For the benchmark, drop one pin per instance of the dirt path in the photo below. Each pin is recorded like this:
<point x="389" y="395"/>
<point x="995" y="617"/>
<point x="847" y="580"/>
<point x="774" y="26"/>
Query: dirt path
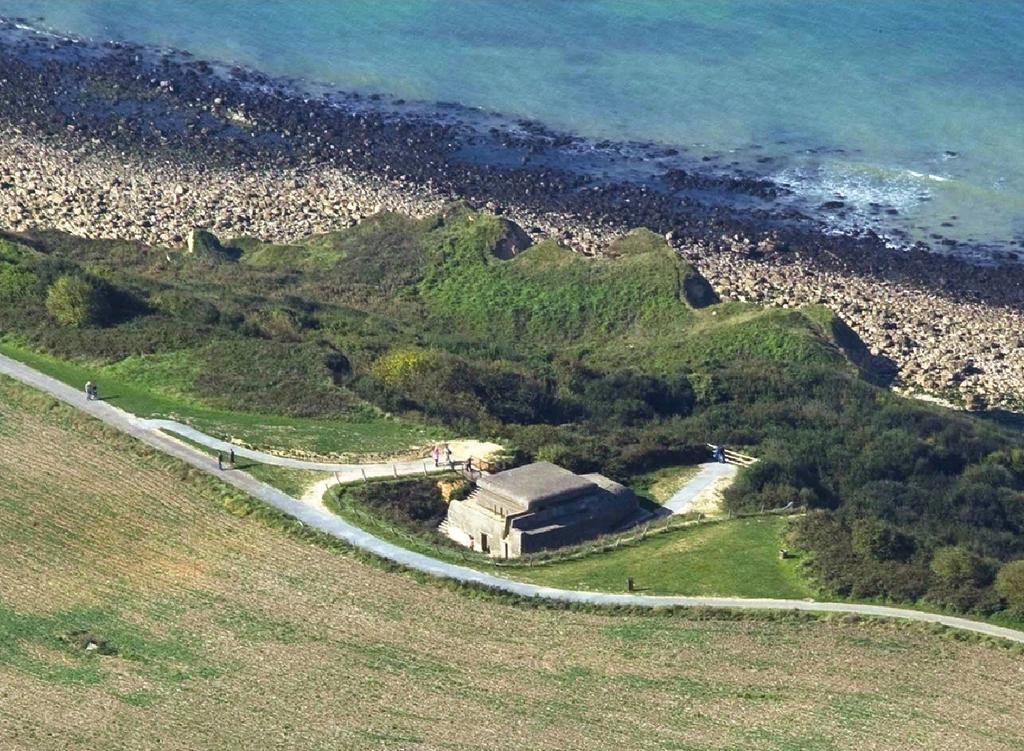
<point x="318" y="517"/>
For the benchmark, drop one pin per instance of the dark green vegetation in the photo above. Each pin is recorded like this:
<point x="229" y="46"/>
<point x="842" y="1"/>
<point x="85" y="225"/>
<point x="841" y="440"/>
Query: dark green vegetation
<point x="415" y="503"/>
<point x="623" y="365"/>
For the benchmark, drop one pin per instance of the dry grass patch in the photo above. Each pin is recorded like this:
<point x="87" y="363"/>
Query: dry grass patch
<point x="221" y="632"/>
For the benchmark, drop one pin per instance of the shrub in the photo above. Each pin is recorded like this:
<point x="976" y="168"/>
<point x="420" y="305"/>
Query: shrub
<point x="1010" y="584"/>
<point x="626" y="397"/>
<point x="283" y="324"/>
<point x="403" y="367"/>
<point x="415" y="503"/>
<point x="957" y="566"/>
<point x="560" y="454"/>
<point x="874" y="538"/>
<point x="186" y="307"/>
<point x="16" y="284"/>
<point x="77" y="301"/>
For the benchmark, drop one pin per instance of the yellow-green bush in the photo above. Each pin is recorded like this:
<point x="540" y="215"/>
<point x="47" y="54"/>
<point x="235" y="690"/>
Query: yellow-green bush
<point x="76" y="301"/>
<point x="401" y="367"/>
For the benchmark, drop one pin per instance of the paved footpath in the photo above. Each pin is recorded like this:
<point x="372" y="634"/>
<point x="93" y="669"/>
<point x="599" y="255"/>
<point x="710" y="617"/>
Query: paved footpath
<point x="333" y="525"/>
<point x="709" y="474"/>
<point x="345" y="472"/>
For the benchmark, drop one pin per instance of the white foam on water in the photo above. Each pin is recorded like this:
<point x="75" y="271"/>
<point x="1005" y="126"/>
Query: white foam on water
<point x="923" y="176"/>
<point x="858" y="186"/>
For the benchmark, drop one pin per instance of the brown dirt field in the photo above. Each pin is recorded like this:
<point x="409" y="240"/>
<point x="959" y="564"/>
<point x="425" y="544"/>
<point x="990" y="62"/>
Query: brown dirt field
<point x="221" y="632"/>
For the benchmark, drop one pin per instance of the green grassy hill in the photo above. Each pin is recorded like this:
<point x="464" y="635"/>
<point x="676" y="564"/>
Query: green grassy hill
<point x="389" y="335"/>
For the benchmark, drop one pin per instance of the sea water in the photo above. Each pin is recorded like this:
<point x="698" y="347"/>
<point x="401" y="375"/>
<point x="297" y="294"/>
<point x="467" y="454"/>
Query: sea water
<point x="915" y="106"/>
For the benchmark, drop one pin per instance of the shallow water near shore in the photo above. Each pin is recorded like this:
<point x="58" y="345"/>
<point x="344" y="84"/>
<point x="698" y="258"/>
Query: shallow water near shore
<point x="906" y="117"/>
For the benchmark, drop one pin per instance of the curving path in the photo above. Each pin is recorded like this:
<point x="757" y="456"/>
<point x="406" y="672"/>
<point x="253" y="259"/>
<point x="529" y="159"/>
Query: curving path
<point x="345" y="472"/>
<point x="333" y="525"/>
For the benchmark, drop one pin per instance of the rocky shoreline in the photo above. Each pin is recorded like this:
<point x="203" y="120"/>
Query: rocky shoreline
<point x="112" y="141"/>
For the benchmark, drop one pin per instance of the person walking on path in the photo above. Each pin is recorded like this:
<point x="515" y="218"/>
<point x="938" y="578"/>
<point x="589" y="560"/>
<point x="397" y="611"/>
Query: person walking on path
<point x="90" y="390"/>
<point x="231" y="458"/>
<point x="220" y="460"/>
<point x="436" y="454"/>
<point x="448" y="456"/>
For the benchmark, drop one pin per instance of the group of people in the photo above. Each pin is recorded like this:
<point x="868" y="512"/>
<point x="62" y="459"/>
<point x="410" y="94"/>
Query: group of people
<point x="231" y="459"/>
<point x="91" y="393"/>
<point x="439" y="452"/>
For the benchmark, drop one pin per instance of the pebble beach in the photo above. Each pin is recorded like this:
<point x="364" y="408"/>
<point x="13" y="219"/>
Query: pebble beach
<point x="157" y="145"/>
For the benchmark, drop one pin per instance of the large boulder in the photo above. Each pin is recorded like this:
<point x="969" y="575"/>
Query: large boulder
<point x="697" y="291"/>
<point x="512" y="242"/>
<point x="203" y="245"/>
<point x="202" y="242"/>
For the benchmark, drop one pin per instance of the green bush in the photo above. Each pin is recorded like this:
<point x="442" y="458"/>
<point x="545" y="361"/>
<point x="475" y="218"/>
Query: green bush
<point x="1010" y="584"/>
<point x="186" y="307"/>
<point x="873" y="538"/>
<point x="415" y="503"/>
<point x="957" y="566"/>
<point x="17" y="284"/>
<point x="77" y="301"/>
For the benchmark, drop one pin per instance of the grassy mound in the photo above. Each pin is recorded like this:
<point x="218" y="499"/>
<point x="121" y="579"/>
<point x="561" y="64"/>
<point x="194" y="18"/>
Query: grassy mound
<point x="393" y="333"/>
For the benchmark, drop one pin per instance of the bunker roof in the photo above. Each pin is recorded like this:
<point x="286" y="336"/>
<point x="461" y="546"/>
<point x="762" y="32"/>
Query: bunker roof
<point x="535" y="483"/>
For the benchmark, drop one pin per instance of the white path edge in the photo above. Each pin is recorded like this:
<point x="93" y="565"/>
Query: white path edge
<point x="337" y="527"/>
<point x="709" y="474"/>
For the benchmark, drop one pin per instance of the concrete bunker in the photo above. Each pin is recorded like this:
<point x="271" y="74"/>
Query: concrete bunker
<point x="537" y="507"/>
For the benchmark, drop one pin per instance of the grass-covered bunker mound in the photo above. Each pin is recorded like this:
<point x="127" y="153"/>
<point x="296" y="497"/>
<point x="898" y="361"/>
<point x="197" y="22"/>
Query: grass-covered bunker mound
<point x="398" y="331"/>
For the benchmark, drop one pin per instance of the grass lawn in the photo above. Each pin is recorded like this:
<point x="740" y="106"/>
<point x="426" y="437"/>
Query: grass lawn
<point x="275" y="433"/>
<point x="734" y="557"/>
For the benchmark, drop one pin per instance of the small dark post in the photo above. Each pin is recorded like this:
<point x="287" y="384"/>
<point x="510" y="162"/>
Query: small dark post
<point x="629" y="584"/>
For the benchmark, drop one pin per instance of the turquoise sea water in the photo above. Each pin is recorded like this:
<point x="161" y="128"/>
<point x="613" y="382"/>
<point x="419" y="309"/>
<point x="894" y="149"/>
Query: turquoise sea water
<point x="915" y="104"/>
